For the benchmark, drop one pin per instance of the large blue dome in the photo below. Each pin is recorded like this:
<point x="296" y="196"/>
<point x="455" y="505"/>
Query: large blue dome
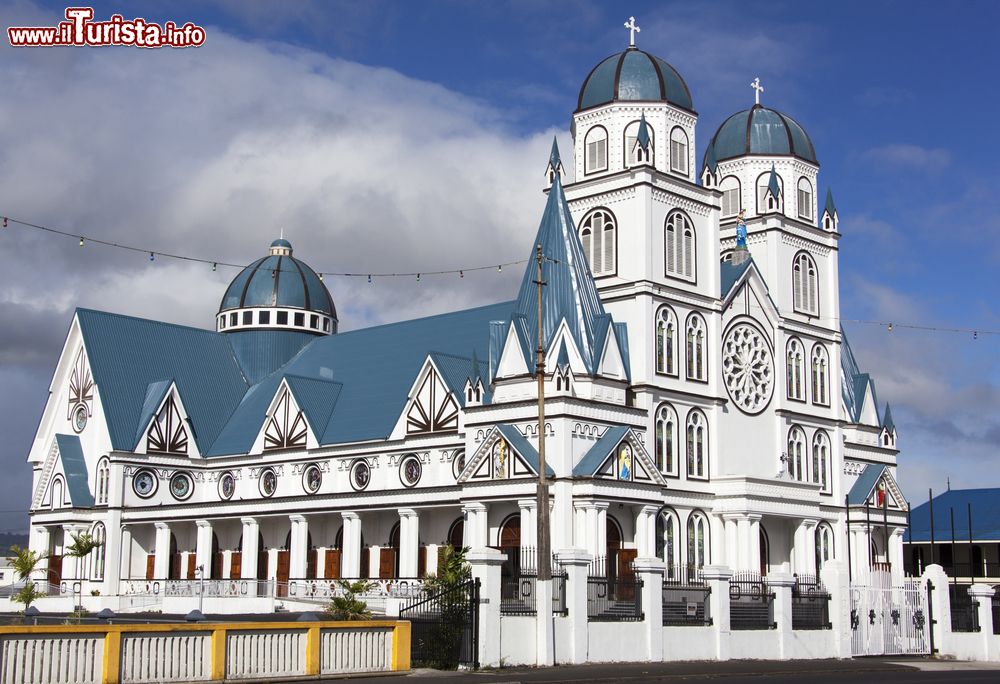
<point x="634" y="76"/>
<point x="760" y="131"/>
<point x="279" y="280"/>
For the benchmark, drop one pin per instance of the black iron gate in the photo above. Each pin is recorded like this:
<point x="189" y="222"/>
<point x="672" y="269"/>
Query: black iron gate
<point x="444" y="631"/>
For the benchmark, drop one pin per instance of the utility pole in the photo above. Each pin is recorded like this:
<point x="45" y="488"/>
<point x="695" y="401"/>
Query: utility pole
<point x="544" y="627"/>
<point x="544" y="552"/>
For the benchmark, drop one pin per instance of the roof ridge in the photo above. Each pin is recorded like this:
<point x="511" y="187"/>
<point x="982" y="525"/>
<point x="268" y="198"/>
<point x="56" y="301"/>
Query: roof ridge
<point x="142" y="319"/>
<point x="424" y="318"/>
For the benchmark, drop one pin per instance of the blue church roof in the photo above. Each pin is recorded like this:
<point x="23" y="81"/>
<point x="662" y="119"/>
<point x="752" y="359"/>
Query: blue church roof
<point x="760" y="131"/>
<point x="854" y="382"/>
<point x="865" y="484"/>
<point x="278" y="280"/>
<point x="633" y="76"/>
<point x="985" y="505"/>
<point x="75" y="468"/>
<point x="600" y="451"/>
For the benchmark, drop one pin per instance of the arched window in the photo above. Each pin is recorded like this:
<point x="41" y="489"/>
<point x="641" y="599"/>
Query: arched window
<point x="797" y="454"/>
<point x="679" y="245"/>
<point x="57" y="493"/>
<point x="596" y="147"/>
<point x="666" y="542"/>
<point x="633" y="154"/>
<point x="666" y="341"/>
<point x="731" y="200"/>
<point x="765" y="201"/>
<point x="805" y="199"/>
<point x="103" y="477"/>
<point x="666" y="439"/>
<point x="820" y="375"/>
<point x="597" y="233"/>
<point x="794" y="370"/>
<point x="697" y="444"/>
<point x="678" y="150"/>
<point x="697" y="538"/>
<point x="821" y="460"/>
<point x="824" y="545"/>
<point x="695" y="348"/>
<point x="97" y="555"/>
<point x="805" y="284"/>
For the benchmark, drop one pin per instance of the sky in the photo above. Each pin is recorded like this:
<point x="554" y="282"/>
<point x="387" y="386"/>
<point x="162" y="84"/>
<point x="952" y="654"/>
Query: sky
<point x="412" y="136"/>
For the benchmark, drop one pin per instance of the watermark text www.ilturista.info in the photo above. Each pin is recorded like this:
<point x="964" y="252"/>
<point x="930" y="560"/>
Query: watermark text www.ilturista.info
<point x="80" y="29"/>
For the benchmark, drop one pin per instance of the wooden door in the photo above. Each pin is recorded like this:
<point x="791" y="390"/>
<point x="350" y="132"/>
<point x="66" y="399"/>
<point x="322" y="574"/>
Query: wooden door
<point x="175" y="566"/>
<point x="422" y="561"/>
<point x="262" y="565"/>
<point x="55" y="570"/>
<point x="626" y="573"/>
<point x="236" y="565"/>
<point x="331" y="568"/>
<point x="387" y="563"/>
<point x="217" y="565"/>
<point x="365" y="562"/>
<point x="192" y="566"/>
<point x="282" y="573"/>
<point x="150" y="566"/>
<point x="311" y="556"/>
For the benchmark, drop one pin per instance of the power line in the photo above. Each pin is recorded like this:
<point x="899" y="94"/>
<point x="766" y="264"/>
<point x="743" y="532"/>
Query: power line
<point x="216" y="263"/>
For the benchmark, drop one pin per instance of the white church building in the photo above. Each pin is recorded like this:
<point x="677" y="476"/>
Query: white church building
<point x="703" y="404"/>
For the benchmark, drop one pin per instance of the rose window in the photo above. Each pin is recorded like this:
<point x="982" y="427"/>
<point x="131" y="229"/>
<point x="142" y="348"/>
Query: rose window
<point x="747" y="368"/>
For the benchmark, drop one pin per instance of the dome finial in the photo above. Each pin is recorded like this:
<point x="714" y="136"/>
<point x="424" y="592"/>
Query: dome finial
<point x="632" y="30"/>
<point x="758" y="89"/>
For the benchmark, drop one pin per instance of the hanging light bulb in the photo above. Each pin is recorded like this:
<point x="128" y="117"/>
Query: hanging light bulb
<point x="418" y="277"/>
<point x="152" y="257"/>
<point x="4" y="221"/>
<point x="369" y="278"/>
<point x="215" y="267"/>
<point x="321" y="277"/>
<point x="499" y="268"/>
<point x="461" y="274"/>
<point x="890" y="327"/>
<point x="975" y="334"/>
<point x="81" y="241"/>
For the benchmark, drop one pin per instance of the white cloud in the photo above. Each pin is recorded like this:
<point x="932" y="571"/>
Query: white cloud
<point x="910" y="156"/>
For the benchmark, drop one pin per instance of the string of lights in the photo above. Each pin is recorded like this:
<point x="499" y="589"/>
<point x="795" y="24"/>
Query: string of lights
<point x="216" y="263"/>
<point x="890" y="326"/>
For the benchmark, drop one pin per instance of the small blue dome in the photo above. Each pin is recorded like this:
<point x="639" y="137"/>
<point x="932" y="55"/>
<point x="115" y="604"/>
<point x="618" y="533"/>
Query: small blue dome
<point x="634" y="76"/>
<point x="760" y="131"/>
<point x="279" y="280"/>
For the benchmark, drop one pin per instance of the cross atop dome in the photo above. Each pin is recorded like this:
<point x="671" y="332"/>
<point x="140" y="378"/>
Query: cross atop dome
<point x="758" y="89"/>
<point x="632" y="30"/>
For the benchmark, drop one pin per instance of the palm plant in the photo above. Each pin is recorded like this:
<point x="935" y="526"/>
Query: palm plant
<point x="347" y="606"/>
<point x="25" y="562"/>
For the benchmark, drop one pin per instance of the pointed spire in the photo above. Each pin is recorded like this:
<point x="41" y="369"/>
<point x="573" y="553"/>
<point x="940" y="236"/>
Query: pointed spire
<point x="475" y="374"/>
<point x="569" y="293"/>
<point x="562" y="361"/>
<point x="830" y="208"/>
<point x="887" y="421"/>
<point x="643" y="136"/>
<point x="555" y="167"/>
<point x="711" y="163"/>
<point x="772" y="184"/>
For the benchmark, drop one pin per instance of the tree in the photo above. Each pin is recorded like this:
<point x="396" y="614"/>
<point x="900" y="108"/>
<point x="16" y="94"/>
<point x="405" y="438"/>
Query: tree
<point x="348" y="606"/>
<point x="83" y="545"/>
<point x="24" y="562"/>
<point x="447" y="593"/>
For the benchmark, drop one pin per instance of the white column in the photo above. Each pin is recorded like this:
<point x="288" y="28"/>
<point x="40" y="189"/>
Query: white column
<point x="69" y="564"/>
<point x="593" y="544"/>
<point x="250" y="549"/>
<point x="161" y="564"/>
<point x="227" y="564"/>
<point x="753" y="562"/>
<point x="113" y="552"/>
<point x="896" y="553"/>
<point x="298" y="547"/>
<point x="602" y="527"/>
<point x="350" y="554"/>
<point x="529" y="522"/>
<point x="743" y="543"/>
<point x="409" y="542"/>
<point x="562" y="514"/>
<point x="374" y="561"/>
<point x="809" y="551"/>
<point x="476" y="532"/>
<point x="432" y="559"/>
<point x="732" y="555"/>
<point x="125" y="559"/>
<point x="579" y="525"/>
<point x="40" y="542"/>
<point x="203" y="548"/>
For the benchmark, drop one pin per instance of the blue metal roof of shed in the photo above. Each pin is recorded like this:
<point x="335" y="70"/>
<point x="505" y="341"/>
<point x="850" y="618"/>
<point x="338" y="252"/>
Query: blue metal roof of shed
<point x="985" y="505"/>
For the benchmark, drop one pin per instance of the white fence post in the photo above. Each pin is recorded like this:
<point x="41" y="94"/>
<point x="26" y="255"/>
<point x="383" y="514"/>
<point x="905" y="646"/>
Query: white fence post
<point x="940" y="605"/>
<point x="781" y="583"/>
<point x="983" y="595"/>
<point x="576" y="563"/>
<point x="717" y="577"/>
<point x="650" y="571"/>
<point x="835" y="579"/>
<point x="486" y="564"/>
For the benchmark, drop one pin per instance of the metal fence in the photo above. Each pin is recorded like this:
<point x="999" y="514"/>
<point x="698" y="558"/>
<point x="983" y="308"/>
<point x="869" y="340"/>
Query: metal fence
<point x="810" y="604"/>
<point x="751" y="602"/>
<point x="685" y="598"/>
<point x="614" y="600"/>
<point x="518" y="594"/>
<point x="964" y="610"/>
<point x="445" y="627"/>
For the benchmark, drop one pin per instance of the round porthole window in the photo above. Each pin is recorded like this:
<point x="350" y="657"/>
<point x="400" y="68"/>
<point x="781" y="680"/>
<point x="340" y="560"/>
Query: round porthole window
<point x="361" y="475"/>
<point x="181" y="486"/>
<point x="80" y="418"/>
<point x="144" y="484"/>
<point x="410" y="471"/>
<point x="227" y="486"/>
<point x="268" y="482"/>
<point x="312" y="479"/>
<point x="458" y="463"/>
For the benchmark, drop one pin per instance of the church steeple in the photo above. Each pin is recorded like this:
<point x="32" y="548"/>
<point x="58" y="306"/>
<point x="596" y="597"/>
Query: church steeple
<point x="555" y="167"/>
<point x="830" y="220"/>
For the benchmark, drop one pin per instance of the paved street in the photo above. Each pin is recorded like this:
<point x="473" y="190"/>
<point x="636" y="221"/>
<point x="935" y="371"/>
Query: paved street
<point x="862" y="671"/>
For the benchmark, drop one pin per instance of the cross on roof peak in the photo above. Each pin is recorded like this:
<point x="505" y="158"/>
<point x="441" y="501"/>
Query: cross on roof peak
<point x="632" y="30"/>
<point x="758" y="88"/>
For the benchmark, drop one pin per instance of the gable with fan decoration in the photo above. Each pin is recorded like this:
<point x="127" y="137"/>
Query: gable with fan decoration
<point x="504" y="454"/>
<point x="286" y="426"/>
<point x="164" y="427"/>
<point x="433" y="407"/>
<point x="619" y="455"/>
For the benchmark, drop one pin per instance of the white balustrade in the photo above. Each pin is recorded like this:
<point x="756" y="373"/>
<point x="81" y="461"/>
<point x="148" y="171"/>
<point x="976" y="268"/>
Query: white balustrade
<point x="166" y="657"/>
<point x="265" y="654"/>
<point x="345" y="651"/>
<point x="69" y="659"/>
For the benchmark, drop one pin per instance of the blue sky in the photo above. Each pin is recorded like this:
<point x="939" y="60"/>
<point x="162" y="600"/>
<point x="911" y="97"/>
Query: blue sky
<point x="208" y="150"/>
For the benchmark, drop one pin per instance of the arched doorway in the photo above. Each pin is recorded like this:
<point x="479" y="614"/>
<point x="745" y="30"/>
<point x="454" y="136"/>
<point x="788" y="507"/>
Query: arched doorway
<point x="509" y="541"/>
<point x="456" y="534"/>
<point x="174" y="570"/>
<point x="618" y="559"/>
<point x="765" y="553"/>
<point x="216" y="557"/>
<point x="388" y="562"/>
